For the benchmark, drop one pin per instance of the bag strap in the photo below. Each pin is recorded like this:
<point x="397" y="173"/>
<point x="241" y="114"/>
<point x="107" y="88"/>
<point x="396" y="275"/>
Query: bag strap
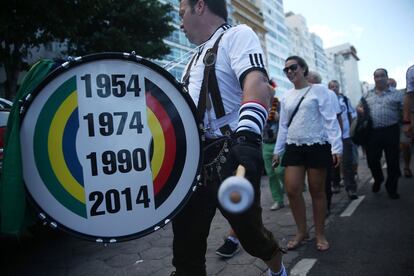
<point x="297" y="106"/>
<point x="365" y="106"/>
<point x="346" y="100"/>
<point x="186" y="78"/>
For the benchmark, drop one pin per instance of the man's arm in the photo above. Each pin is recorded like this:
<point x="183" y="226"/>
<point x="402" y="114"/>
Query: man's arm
<point x="408" y="114"/>
<point x="256" y="88"/>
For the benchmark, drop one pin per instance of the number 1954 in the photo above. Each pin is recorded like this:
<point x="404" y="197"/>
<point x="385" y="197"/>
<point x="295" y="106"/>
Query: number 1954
<point x="114" y="84"/>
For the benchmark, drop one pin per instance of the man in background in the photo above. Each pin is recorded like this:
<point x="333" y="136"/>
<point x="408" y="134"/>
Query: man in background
<point x="408" y="116"/>
<point x="385" y="104"/>
<point x="348" y="113"/>
<point x="405" y="141"/>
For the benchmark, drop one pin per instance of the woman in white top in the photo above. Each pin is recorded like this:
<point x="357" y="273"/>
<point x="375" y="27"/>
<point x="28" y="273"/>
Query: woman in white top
<point x="311" y="140"/>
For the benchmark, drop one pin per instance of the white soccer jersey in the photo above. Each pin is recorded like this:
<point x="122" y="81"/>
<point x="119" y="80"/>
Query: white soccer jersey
<point x="238" y="53"/>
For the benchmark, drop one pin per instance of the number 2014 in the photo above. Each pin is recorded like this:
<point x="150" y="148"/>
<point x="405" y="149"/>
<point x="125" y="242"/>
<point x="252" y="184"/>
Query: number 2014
<point x="113" y="198"/>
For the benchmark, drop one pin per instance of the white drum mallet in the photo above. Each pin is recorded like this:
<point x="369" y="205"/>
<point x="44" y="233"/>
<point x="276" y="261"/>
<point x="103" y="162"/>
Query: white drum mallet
<point x="236" y="193"/>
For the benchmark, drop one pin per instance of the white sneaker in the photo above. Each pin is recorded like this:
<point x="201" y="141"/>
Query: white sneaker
<point x="277" y="206"/>
<point x="282" y="272"/>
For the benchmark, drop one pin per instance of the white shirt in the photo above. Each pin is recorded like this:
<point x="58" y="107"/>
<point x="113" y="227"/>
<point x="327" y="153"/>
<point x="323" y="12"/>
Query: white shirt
<point x="346" y="125"/>
<point x="335" y="100"/>
<point x="315" y="121"/>
<point x="239" y="52"/>
<point x="410" y="79"/>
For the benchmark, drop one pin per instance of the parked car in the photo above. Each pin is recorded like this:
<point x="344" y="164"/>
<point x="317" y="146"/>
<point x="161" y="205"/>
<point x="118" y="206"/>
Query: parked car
<point x="5" y="106"/>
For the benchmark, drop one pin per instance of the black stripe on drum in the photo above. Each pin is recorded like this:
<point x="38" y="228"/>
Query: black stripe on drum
<point x="181" y="142"/>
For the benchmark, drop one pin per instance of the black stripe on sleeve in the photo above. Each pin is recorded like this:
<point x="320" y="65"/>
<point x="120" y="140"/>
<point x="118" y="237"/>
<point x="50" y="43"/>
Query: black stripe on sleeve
<point x="251" y="118"/>
<point x="244" y="74"/>
<point x="251" y="60"/>
<point x="255" y="110"/>
<point x="261" y="60"/>
<point x="257" y="60"/>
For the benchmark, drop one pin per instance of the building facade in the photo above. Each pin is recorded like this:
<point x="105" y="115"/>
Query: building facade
<point x="321" y="63"/>
<point x="300" y="38"/>
<point x="277" y="42"/>
<point x="280" y="34"/>
<point x="248" y="12"/>
<point x="350" y="77"/>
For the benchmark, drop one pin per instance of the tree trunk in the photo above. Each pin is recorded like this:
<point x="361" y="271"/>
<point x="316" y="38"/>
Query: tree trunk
<point x="13" y="65"/>
<point x="12" y="74"/>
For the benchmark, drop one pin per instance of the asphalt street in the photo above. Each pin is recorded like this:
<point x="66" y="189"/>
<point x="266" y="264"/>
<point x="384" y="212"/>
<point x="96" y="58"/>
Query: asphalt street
<point x="377" y="239"/>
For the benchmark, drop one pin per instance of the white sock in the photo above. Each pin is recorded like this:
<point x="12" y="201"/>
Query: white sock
<point x="282" y="272"/>
<point x="233" y="239"/>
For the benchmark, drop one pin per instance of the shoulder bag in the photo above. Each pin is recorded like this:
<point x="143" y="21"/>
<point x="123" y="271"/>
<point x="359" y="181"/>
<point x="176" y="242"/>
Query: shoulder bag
<point x="361" y="127"/>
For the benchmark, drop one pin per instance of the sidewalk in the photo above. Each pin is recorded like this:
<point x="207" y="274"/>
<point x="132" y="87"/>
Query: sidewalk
<point x="50" y="252"/>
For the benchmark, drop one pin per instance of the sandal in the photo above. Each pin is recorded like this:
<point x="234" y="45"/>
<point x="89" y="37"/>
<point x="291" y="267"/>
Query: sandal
<point x="407" y="172"/>
<point x="322" y="246"/>
<point x="297" y="242"/>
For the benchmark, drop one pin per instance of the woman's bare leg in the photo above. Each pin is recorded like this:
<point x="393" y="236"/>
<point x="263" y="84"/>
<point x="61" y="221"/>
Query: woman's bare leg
<point x="316" y="179"/>
<point x="294" y="181"/>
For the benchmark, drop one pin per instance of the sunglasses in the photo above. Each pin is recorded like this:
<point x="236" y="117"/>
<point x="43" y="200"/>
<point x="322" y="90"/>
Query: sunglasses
<point x="293" y="67"/>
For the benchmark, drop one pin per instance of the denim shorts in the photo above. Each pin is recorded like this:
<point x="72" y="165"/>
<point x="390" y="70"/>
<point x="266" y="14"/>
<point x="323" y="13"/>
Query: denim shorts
<point x="309" y="156"/>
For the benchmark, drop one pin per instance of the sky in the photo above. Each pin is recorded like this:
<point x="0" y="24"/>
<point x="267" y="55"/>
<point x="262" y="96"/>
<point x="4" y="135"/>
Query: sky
<point x="382" y="31"/>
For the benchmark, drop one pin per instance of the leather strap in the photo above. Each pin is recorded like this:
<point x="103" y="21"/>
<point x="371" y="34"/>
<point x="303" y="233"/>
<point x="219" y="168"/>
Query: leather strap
<point x="210" y="86"/>
<point x="186" y="78"/>
<point x="297" y="107"/>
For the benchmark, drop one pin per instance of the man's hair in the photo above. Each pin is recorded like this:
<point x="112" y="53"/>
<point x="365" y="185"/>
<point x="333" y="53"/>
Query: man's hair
<point x="301" y="62"/>
<point x="378" y="69"/>
<point x="316" y="77"/>
<point x="333" y="81"/>
<point x="218" y="7"/>
<point x="392" y="82"/>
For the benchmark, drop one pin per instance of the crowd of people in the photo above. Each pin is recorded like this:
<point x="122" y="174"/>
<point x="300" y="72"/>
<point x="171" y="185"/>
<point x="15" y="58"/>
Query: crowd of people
<point x="304" y="135"/>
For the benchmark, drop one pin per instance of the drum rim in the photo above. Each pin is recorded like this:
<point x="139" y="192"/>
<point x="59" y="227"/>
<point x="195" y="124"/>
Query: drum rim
<point x="44" y="217"/>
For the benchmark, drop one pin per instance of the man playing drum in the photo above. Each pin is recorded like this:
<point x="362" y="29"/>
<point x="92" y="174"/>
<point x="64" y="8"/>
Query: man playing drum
<point x="228" y="82"/>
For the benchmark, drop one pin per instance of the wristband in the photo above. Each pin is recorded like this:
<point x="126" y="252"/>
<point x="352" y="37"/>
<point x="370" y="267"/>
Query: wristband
<point x="252" y="117"/>
<point x="245" y="136"/>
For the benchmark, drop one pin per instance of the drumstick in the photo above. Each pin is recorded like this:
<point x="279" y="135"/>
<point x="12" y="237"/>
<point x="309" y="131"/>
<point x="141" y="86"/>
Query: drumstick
<point x="236" y="193"/>
<point x="235" y="196"/>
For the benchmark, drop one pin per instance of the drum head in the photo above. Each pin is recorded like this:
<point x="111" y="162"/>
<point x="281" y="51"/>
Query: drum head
<point x="111" y="147"/>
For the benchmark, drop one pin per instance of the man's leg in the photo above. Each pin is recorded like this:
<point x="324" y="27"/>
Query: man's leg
<point x="191" y="228"/>
<point x="347" y="158"/>
<point x="373" y="152"/>
<point x="270" y="171"/>
<point x="392" y="157"/>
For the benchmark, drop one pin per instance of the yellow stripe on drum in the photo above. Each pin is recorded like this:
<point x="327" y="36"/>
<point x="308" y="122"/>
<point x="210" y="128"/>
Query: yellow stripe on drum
<point x="55" y="146"/>
<point x="159" y="143"/>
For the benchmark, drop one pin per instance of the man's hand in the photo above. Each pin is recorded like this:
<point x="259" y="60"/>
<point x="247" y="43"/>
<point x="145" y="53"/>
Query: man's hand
<point x="246" y="152"/>
<point x="275" y="161"/>
<point x="336" y="160"/>
<point x="360" y="109"/>
<point x="408" y="130"/>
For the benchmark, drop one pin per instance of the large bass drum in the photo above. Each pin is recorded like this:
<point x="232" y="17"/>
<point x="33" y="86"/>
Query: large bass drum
<point x="111" y="147"/>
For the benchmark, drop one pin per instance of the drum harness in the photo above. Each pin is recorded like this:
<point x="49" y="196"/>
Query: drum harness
<point x="217" y="150"/>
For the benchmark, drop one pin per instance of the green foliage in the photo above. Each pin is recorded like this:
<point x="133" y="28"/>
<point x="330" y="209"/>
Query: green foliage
<point x="85" y="26"/>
